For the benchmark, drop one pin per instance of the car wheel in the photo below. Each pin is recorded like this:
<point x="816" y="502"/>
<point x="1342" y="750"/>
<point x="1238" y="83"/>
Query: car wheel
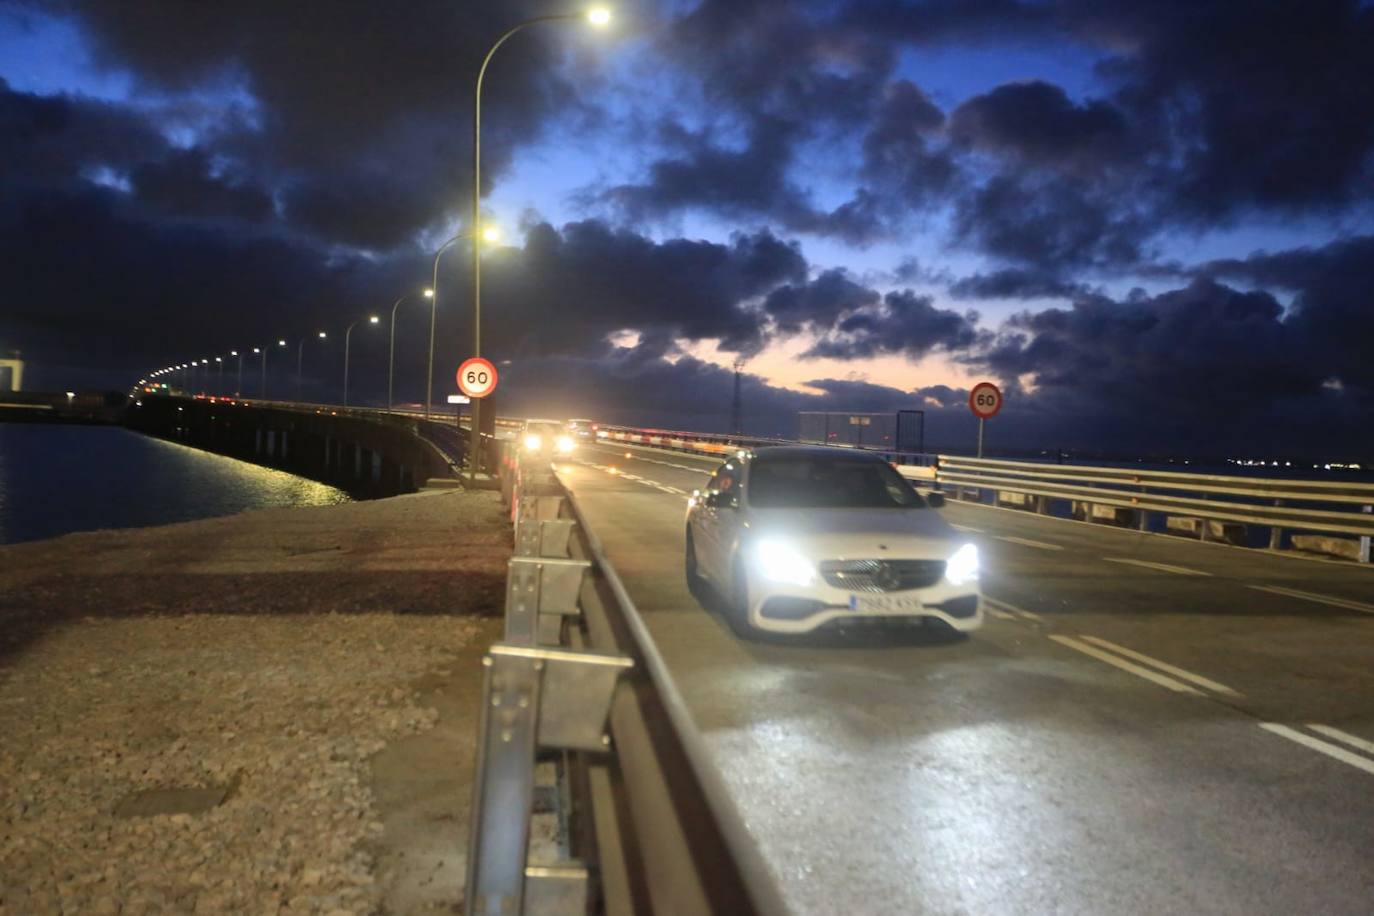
<point x="689" y="564"/>
<point x="739" y="603"/>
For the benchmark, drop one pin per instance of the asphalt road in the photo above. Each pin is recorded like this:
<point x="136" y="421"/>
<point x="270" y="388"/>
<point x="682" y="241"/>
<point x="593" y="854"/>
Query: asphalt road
<point x="1144" y="724"/>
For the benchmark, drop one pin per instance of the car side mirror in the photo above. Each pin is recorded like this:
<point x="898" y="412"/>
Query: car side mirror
<point x="936" y="500"/>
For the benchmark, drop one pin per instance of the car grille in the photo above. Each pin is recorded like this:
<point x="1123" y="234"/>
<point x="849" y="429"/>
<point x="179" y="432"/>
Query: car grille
<point x="882" y="575"/>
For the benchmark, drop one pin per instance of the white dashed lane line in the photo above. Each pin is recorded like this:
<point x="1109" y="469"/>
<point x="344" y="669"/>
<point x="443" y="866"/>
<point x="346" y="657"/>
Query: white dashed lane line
<point x="1322" y="747"/>
<point x="1010" y="610"/>
<point x="1352" y="740"/>
<point x="967" y="528"/>
<point x="1346" y="603"/>
<point x="1167" y="668"/>
<point x="1027" y="542"/>
<point x="1117" y="661"/>
<point x="635" y="478"/>
<point x="1161" y="567"/>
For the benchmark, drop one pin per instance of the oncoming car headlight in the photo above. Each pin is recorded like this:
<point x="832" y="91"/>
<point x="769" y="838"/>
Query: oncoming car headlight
<point x="778" y="561"/>
<point x="963" y="566"/>
<point x="534" y="442"/>
<point x="564" y="445"/>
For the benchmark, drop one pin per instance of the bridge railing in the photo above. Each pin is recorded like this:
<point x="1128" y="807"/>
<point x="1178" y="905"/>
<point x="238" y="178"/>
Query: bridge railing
<point x="580" y="712"/>
<point x="725" y="444"/>
<point x="1125" y="495"/>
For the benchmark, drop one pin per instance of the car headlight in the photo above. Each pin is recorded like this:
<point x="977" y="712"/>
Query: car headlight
<point x="963" y="566"/>
<point x="534" y="442"/>
<point x="564" y="445"/>
<point x="778" y="561"/>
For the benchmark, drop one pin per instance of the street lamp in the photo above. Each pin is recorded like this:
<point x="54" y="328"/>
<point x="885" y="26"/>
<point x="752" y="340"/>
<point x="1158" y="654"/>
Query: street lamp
<point x="219" y="385"/>
<point x="371" y="319"/>
<point x="391" y="360"/>
<point x="300" y="356"/>
<point x="490" y="233"/>
<point x="238" y="388"/>
<point x="598" y="17"/>
<point x="262" y="392"/>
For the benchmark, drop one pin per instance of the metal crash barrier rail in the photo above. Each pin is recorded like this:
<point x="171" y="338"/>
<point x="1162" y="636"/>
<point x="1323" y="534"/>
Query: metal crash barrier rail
<point x="594" y="792"/>
<point x="1282" y="505"/>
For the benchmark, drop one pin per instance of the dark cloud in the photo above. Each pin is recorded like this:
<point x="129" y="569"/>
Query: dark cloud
<point x="1014" y="283"/>
<point x="185" y="184"/>
<point x="904" y="322"/>
<point x="1035" y="124"/>
<point x="817" y="303"/>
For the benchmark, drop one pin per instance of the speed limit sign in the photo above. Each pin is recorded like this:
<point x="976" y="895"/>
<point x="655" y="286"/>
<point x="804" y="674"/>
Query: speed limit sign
<point x="476" y="377"/>
<point x="985" y="400"/>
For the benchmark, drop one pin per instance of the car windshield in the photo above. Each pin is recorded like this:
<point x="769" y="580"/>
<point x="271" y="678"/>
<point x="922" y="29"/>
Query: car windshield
<point x="823" y="482"/>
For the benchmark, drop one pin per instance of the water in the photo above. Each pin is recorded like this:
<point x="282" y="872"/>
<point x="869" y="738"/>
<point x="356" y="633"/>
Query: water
<point x="55" y="479"/>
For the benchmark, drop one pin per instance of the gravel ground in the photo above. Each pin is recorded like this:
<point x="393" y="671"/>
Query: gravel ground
<point x="189" y="715"/>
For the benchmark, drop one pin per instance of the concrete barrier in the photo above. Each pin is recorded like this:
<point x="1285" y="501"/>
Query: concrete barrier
<point x="1327" y="544"/>
<point x="1118" y="516"/>
<point x="1225" y="532"/>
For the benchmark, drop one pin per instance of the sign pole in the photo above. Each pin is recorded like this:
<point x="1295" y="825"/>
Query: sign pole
<point x="981" y="421"/>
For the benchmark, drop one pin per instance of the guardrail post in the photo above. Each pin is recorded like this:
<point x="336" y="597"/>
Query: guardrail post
<point x="532" y="698"/>
<point x="1364" y="538"/>
<point x="1276" y="533"/>
<point x="540" y="592"/>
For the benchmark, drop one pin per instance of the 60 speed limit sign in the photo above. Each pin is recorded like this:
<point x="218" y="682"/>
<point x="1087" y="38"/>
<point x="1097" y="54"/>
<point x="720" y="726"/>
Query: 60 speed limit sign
<point x="476" y="377"/>
<point x="985" y="400"/>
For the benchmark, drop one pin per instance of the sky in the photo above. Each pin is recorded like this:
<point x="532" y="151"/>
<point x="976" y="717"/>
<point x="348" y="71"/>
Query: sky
<point x="1150" y="223"/>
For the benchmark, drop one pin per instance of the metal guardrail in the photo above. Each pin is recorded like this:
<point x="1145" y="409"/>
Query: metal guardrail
<point x="721" y="444"/>
<point x="1282" y="505"/>
<point x="580" y="713"/>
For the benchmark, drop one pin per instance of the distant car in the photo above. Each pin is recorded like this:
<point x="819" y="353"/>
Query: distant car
<point x="797" y="538"/>
<point x="581" y="429"/>
<point x="546" y="437"/>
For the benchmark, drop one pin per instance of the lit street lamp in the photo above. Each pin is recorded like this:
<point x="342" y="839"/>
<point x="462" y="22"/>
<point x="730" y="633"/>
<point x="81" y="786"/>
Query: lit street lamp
<point x="300" y="358"/>
<point x="391" y="360"/>
<point x="599" y="17"/>
<point x="238" y="389"/>
<point x="489" y="234"/>
<point x="371" y="319"/>
<point x="262" y="391"/>
<point x="219" y="385"/>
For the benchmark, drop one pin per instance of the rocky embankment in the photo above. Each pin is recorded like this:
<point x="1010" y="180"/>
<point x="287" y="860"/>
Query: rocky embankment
<point x="271" y="712"/>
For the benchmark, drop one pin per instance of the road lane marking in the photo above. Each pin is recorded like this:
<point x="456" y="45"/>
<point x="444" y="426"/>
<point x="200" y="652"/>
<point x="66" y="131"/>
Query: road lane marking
<point x="1013" y="609"/>
<point x="1344" y="737"/>
<point x="1165" y="667"/>
<point x="1321" y="747"/>
<point x="1027" y="542"/>
<point x="1131" y="667"/>
<point x="668" y="464"/>
<point x="1346" y="603"/>
<point x="642" y="481"/>
<point x="969" y="528"/>
<point x="998" y="612"/>
<point x="1162" y="567"/>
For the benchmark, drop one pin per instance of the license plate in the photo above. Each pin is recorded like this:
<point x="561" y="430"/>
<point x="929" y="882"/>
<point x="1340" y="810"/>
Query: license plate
<point x="885" y="604"/>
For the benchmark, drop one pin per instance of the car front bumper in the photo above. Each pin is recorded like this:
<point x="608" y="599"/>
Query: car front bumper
<point x="782" y="608"/>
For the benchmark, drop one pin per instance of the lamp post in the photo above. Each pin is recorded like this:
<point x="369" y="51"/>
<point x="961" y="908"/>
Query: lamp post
<point x="300" y="361"/>
<point x="262" y="391"/>
<point x="489" y="234"/>
<point x="599" y="17"/>
<point x="391" y="360"/>
<point x="219" y="385"/>
<point x="371" y="319"/>
<point x="238" y="387"/>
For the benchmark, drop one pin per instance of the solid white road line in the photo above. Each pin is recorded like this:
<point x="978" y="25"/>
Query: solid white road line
<point x="1321" y="747"/>
<point x="1167" y="668"/>
<point x="1118" y="662"/>
<point x="969" y="528"/>
<point x="997" y="612"/>
<point x="1162" y="567"/>
<point x="1345" y="737"/>
<point x="1027" y="542"/>
<point x="1012" y="609"/>
<point x="1347" y="603"/>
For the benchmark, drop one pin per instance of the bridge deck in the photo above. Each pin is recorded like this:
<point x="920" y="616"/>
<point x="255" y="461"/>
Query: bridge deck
<point x="1144" y="724"/>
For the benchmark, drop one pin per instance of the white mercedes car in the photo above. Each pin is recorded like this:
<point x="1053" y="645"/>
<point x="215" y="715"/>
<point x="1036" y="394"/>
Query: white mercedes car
<point x="797" y="538"/>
